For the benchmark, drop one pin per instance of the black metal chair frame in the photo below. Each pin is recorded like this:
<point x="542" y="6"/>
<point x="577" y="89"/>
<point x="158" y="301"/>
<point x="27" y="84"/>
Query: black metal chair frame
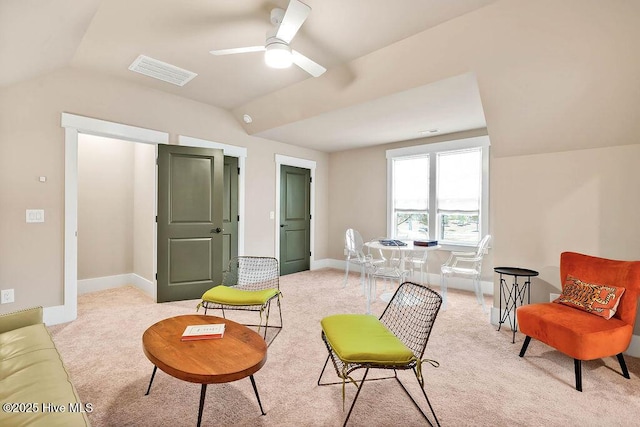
<point x="412" y="327"/>
<point x="252" y="273"/>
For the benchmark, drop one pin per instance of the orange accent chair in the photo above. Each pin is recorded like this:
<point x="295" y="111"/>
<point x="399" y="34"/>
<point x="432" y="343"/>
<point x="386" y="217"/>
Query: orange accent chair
<point x="580" y="334"/>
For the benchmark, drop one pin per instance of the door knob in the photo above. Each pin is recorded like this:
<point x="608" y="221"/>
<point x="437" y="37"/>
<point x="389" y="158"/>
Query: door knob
<point x="284" y="225"/>
<point x="217" y="230"/>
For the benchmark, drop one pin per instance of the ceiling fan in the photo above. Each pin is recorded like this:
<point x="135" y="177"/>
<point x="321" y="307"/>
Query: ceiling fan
<point x="277" y="52"/>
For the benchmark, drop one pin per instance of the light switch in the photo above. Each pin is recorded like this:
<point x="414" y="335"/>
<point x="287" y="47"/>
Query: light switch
<point x="35" y="215"/>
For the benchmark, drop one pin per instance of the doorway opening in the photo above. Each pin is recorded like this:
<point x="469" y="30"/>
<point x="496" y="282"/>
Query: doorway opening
<point x="75" y="125"/>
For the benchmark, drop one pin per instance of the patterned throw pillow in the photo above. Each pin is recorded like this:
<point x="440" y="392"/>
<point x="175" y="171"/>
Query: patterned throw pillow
<point x="600" y="300"/>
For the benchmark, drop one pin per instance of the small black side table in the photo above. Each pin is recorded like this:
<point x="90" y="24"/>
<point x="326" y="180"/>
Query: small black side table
<point x="514" y="293"/>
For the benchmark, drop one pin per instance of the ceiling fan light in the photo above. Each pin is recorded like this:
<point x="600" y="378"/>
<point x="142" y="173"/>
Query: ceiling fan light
<point x="278" y="55"/>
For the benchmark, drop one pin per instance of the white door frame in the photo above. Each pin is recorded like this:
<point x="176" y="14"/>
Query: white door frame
<point x="305" y="164"/>
<point x="74" y="125"/>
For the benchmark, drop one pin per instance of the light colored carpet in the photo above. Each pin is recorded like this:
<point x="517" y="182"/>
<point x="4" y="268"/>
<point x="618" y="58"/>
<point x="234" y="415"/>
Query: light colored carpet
<point x="481" y="380"/>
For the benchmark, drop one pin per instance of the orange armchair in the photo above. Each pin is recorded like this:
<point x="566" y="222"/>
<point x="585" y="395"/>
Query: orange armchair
<point x="580" y="334"/>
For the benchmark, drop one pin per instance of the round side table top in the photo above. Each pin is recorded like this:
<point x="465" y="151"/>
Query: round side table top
<point x="516" y="271"/>
<point x="239" y="353"/>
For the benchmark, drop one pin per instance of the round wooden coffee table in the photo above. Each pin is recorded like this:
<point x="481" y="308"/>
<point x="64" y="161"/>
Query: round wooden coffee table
<point x="238" y="354"/>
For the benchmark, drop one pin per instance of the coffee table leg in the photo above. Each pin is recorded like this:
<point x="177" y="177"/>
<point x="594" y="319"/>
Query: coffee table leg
<point x="253" y="383"/>
<point x="155" y="368"/>
<point x="203" y="392"/>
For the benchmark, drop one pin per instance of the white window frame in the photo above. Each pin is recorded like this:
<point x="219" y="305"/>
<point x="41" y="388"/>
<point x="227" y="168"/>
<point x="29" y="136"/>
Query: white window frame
<point x="432" y="150"/>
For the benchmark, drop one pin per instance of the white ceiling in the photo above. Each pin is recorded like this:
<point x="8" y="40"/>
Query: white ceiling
<point x="106" y="36"/>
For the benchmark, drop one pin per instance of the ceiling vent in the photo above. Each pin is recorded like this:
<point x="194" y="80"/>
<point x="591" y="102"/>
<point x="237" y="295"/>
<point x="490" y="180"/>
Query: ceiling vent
<point x="161" y="70"/>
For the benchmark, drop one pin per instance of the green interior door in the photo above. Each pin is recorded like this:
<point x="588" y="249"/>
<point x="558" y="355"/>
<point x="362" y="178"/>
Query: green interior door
<point x="190" y="206"/>
<point x="230" y="216"/>
<point x="295" y="219"/>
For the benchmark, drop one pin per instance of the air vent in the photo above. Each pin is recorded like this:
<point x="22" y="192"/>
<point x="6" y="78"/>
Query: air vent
<point x="161" y="70"/>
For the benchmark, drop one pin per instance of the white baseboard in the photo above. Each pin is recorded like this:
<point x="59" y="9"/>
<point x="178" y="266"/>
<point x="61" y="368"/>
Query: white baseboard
<point x="634" y="347"/>
<point x="55" y="315"/>
<point x="101" y="283"/>
<point x="146" y="286"/>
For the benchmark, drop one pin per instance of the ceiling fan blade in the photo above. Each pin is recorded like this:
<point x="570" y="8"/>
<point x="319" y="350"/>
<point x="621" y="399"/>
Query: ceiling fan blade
<point x="238" y="50"/>
<point x="306" y="64"/>
<point x="294" y="16"/>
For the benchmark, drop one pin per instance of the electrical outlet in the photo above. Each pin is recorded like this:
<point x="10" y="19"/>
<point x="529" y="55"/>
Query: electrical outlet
<point x="6" y="296"/>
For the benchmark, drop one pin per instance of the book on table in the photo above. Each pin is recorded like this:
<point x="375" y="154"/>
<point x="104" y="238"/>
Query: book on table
<point x="203" y="332"/>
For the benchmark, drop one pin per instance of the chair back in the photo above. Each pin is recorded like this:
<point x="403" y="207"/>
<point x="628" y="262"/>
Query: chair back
<point x="253" y="273"/>
<point x="602" y="271"/>
<point x="483" y="246"/>
<point x="410" y="315"/>
<point x="354" y="244"/>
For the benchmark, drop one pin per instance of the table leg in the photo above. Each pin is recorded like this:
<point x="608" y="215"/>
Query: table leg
<point x="520" y="294"/>
<point x="253" y="383"/>
<point x="500" y="303"/>
<point x="510" y="304"/>
<point x="203" y="393"/>
<point x="155" y="368"/>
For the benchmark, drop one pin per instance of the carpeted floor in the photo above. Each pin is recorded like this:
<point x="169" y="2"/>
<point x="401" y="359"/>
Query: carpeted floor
<point x="481" y="380"/>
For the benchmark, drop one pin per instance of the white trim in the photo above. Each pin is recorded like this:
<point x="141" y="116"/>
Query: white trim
<point x="229" y="150"/>
<point x="86" y="286"/>
<point x="634" y="347"/>
<point x="95" y="284"/>
<point x="233" y="151"/>
<point x="75" y="125"/>
<point x="305" y="164"/>
<point x="113" y="130"/>
<point x="459" y="144"/>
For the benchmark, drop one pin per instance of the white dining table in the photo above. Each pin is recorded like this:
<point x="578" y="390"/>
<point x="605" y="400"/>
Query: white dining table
<point x="403" y="250"/>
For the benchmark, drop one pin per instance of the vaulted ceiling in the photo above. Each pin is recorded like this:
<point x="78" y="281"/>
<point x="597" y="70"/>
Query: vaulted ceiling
<point x="107" y="36"/>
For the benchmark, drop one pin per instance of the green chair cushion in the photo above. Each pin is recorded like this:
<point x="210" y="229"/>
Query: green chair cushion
<point x="232" y="296"/>
<point x="362" y="338"/>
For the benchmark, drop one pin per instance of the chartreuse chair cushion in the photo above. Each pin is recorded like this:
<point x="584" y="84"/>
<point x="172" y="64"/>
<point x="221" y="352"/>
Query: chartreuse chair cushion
<point x="232" y="296"/>
<point x="362" y="338"/>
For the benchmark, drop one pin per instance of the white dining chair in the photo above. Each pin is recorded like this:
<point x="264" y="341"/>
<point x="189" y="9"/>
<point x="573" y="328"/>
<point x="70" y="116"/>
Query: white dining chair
<point x="393" y="269"/>
<point x="354" y="246"/>
<point x="466" y="264"/>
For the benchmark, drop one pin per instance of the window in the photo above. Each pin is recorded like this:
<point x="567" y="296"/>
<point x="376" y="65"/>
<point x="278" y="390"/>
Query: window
<point x="439" y="191"/>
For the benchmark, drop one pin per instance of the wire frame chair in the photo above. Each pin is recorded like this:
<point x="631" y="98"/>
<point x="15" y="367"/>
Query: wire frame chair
<point x="251" y="274"/>
<point x="410" y="316"/>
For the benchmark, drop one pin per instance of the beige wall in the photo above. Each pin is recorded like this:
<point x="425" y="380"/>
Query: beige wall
<point x="32" y="145"/>
<point x="105" y="207"/>
<point x="144" y="209"/>
<point x="583" y="201"/>
<point x="552" y="75"/>
<point x="116" y="208"/>
<point x="358" y="197"/>
<point x="556" y="78"/>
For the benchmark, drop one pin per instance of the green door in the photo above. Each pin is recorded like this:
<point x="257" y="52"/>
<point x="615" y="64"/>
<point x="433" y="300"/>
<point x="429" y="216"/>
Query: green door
<point x="295" y="219"/>
<point x="230" y="216"/>
<point x="189" y="221"/>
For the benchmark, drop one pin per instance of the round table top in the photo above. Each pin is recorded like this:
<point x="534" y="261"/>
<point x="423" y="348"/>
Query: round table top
<point x="375" y="244"/>
<point x="239" y="353"/>
<point x="516" y="271"/>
